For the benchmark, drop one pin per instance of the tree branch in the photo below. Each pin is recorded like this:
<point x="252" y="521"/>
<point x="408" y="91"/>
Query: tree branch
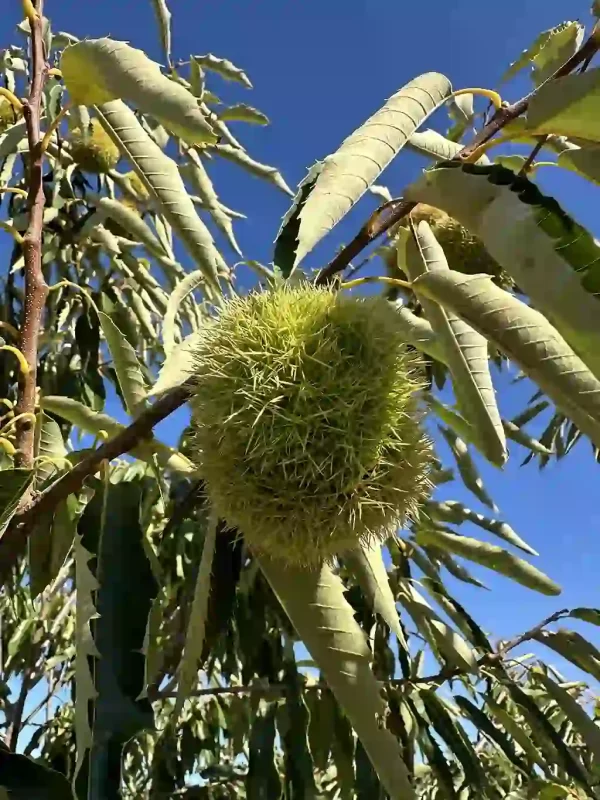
<point x="36" y="288"/>
<point x="400" y="208"/>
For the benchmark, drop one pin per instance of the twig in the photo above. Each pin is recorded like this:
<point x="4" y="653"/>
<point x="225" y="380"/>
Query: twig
<point x="36" y="288"/>
<point x="368" y="233"/>
<point x="529" y="161"/>
<point x="13" y="541"/>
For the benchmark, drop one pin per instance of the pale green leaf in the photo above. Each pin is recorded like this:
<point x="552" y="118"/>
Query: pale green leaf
<point x="177" y="367"/>
<point x="417" y="331"/>
<point x="585" y="161"/>
<point x="126" y="364"/>
<point x="466" y="467"/>
<point x="490" y="556"/>
<point x="163" y="16"/>
<point x="518" y="435"/>
<point x="433" y="144"/>
<point x="574" y="647"/>
<point x="96" y="423"/>
<point x="517" y="731"/>
<point x="97" y="71"/>
<point x="133" y="224"/>
<point x="367" y="566"/>
<point x="241" y="112"/>
<point x="567" y="107"/>
<point x="456" y="513"/>
<point x="553" y="41"/>
<point x="194" y="639"/>
<point x="347" y="174"/>
<point x="176" y="298"/>
<point x="563" y="42"/>
<point x="588" y="729"/>
<point x="14" y="483"/>
<point x="466" y="351"/>
<point x="223" y="67"/>
<point x="315" y="603"/>
<point x="552" y="259"/>
<point x="50" y="448"/>
<point x="162" y="180"/>
<point x="203" y="186"/>
<point x="242" y="159"/>
<point x="591" y="615"/>
<point x="526" y="337"/>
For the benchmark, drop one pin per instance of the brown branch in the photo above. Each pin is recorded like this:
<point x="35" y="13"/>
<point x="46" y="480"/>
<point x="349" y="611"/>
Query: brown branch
<point x="16" y="723"/>
<point x="14" y="539"/>
<point x="400" y="208"/>
<point x="36" y="288"/>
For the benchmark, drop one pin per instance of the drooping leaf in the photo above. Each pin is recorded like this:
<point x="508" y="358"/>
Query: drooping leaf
<point x="566" y="107"/>
<point x="321" y="706"/>
<point x="264" y="171"/>
<point x="518" y="435"/>
<point x="133" y="224"/>
<point x="526" y="337"/>
<point x="347" y="174"/>
<point x="26" y="779"/>
<point x="368" y="568"/>
<point x="223" y="67"/>
<point x="552" y="259"/>
<point x="455" y="612"/>
<point x="466" y="467"/>
<point x="161" y="178"/>
<point x="50" y="542"/>
<point x="490" y="556"/>
<point x="292" y="724"/>
<point x="574" y="647"/>
<point x="316" y="606"/>
<point x="126" y="364"/>
<point x="591" y="615"/>
<point x="13" y="485"/>
<point x="241" y="112"/>
<point x="176" y="298"/>
<point x="466" y="350"/>
<point x="262" y="779"/>
<point x="163" y="16"/>
<point x="194" y="638"/>
<point x="98" y="71"/>
<point x="517" y="731"/>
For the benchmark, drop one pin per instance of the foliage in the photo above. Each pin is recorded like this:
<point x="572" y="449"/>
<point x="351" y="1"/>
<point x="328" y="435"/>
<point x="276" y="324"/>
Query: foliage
<point x="150" y="643"/>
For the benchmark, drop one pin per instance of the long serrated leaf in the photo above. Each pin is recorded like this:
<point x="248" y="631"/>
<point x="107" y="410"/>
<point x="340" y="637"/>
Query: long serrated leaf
<point x="417" y="331"/>
<point x="518" y="435"/>
<point x="162" y="180"/>
<point x="187" y="674"/>
<point x="552" y="259"/>
<point x="126" y="364"/>
<point x="433" y="144"/>
<point x="324" y="620"/>
<point x="490" y="556"/>
<point x="241" y="112"/>
<point x="347" y="174"/>
<point x="457" y="513"/>
<point x="163" y="16"/>
<point x="367" y="566"/>
<point x="13" y="485"/>
<point x="97" y="71"/>
<point x="223" y="67"/>
<point x="574" y="647"/>
<point x="455" y="612"/>
<point x="588" y="729"/>
<point x="133" y="224"/>
<point x="466" y="467"/>
<point x="202" y="184"/>
<point x="547" y="39"/>
<point x="176" y="298"/>
<point x="264" y="171"/>
<point x="526" y="337"/>
<point x="466" y="351"/>
<point x="95" y="423"/>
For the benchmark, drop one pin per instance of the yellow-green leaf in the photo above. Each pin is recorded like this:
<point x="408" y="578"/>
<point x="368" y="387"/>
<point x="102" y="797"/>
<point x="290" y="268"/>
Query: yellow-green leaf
<point x="433" y="144"/>
<point x="96" y="71"/>
<point x="568" y="107"/>
<point x="126" y="364"/>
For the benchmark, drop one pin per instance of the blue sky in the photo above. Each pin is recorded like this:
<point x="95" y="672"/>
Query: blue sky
<point x="319" y="69"/>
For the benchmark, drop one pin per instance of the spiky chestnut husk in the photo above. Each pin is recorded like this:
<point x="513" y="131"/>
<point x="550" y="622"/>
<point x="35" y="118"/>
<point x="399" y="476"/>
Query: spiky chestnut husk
<point x="464" y="252"/>
<point x="93" y="150"/>
<point x="306" y="424"/>
<point x="8" y="114"/>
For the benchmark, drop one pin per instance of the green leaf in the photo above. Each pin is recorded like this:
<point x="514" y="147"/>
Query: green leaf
<point x="50" y="543"/>
<point x="347" y="174"/>
<point x="242" y="159"/>
<point x="133" y="224"/>
<point x="26" y="779"/>
<point x="95" y="423"/>
<point x="194" y="638"/>
<point x="526" y="337"/>
<point x="223" y="67"/>
<point x="591" y="615"/>
<point x="262" y="780"/>
<point x="49" y="448"/>
<point x="490" y="556"/>
<point x="324" y="620"/>
<point x="13" y="485"/>
<point x="588" y="729"/>
<point x="241" y="112"/>
<point x="126" y="364"/>
<point x="517" y="731"/>
<point x="466" y="467"/>
<point x="572" y="646"/>
<point x="176" y="298"/>
<point x="110" y="529"/>
<point x="567" y="107"/>
<point x="163" y="16"/>
<point x="367" y="567"/>
<point x="547" y="51"/>
<point x="466" y="351"/>
<point x="518" y="435"/>
<point x="585" y="161"/>
<point x="160" y="176"/>
<point x="97" y="71"/>
<point x="454" y="611"/>
<point x="552" y="259"/>
<point x="177" y="367"/>
<point x="456" y="513"/>
<point x="417" y="331"/>
<point x="436" y="146"/>
<point x="322" y="709"/>
<point x="292" y="724"/>
<point x="195" y="172"/>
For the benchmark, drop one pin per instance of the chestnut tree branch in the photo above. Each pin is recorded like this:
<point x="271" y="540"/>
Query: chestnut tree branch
<point x="36" y="289"/>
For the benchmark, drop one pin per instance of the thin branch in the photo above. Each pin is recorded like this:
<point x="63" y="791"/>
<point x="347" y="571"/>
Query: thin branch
<point x="36" y="288"/>
<point x="14" y="539"/>
<point x="16" y="723"/>
<point x="530" y="158"/>
<point x="369" y="232"/>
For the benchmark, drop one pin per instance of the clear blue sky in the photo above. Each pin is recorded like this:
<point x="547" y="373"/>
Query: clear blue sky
<point x="319" y="69"/>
